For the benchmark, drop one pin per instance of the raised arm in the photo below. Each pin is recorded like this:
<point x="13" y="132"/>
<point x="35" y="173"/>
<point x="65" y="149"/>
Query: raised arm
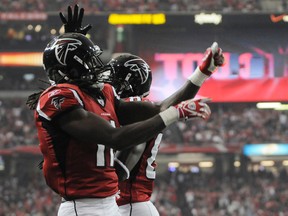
<point x="98" y="130"/>
<point x="137" y="111"/>
<point x="213" y="57"/>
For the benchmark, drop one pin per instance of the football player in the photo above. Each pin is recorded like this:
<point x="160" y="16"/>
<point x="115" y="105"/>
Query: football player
<point x="131" y="77"/>
<point x="78" y="120"/>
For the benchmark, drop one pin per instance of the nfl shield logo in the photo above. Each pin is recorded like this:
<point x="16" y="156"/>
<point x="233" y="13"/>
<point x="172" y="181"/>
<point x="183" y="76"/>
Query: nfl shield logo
<point x="101" y="101"/>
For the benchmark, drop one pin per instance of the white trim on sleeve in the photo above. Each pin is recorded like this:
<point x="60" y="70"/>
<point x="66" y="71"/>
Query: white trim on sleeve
<point x="77" y="96"/>
<point x="42" y="113"/>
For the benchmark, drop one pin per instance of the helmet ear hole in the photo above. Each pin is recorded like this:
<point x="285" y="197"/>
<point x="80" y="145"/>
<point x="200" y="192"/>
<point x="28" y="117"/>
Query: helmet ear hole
<point x="54" y="76"/>
<point x="73" y="73"/>
<point x="57" y="75"/>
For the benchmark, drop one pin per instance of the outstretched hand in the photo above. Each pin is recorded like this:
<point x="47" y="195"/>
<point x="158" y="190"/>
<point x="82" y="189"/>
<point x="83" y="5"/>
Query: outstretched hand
<point x="74" y="21"/>
<point x="194" y="108"/>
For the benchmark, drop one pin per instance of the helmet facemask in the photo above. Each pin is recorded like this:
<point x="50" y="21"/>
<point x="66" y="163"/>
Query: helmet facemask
<point x="124" y="87"/>
<point x="105" y="75"/>
<point x="94" y="65"/>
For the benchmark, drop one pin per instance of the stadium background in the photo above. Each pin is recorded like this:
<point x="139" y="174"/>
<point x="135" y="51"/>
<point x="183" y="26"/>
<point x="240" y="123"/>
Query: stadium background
<point x="234" y="164"/>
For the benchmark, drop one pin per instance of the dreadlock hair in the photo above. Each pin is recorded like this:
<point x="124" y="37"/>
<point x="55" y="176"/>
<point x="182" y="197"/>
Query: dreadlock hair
<point x="32" y="99"/>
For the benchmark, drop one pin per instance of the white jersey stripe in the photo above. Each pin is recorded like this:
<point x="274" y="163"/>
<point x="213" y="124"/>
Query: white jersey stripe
<point x="77" y="96"/>
<point x="42" y="114"/>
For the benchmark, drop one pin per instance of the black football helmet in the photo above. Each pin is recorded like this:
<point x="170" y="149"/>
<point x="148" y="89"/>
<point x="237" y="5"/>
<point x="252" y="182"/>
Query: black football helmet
<point x="72" y="58"/>
<point x="130" y="76"/>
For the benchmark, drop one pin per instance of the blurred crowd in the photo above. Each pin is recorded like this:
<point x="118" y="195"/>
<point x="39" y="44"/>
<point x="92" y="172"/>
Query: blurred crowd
<point x="17" y="124"/>
<point x="131" y="6"/>
<point x="26" y="196"/>
<point x="232" y="125"/>
<point x="229" y="125"/>
<point x="23" y="34"/>
<point x="22" y="79"/>
<point x="34" y="35"/>
<point x="260" y="193"/>
<point x="177" y="193"/>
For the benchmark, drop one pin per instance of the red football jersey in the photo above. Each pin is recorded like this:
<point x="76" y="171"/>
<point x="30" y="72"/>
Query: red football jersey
<point x="72" y="168"/>
<point x="139" y="187"/>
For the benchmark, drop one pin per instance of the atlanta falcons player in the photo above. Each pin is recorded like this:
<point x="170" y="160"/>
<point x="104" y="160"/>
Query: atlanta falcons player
<point x="78" y="123"/>
<point x="131" y="77"/>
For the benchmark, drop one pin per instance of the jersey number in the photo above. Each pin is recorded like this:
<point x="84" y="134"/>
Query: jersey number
<point x="101" y="160"/>
<point x="150" y="170"/>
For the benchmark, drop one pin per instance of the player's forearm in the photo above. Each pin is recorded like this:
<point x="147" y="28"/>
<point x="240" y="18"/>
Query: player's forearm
<point x="90" y="128"/>
<point x="131" y="112"/>
<point x="188" y="91"/>
<point x="131" y="156"/>
<point x="135" y="134"/>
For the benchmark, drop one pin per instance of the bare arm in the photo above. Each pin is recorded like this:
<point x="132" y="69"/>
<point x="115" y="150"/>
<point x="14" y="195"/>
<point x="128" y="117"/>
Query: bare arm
<point x="130" y="112"/>
<point x="187" y="91"/>
<point x="127" y="159"/>
<point x="213" y="58"/>
<point x="135" y="111"/>
<point x="90" y="128"/>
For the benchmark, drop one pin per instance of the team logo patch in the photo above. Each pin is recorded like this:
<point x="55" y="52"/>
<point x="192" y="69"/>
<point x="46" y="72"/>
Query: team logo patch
<point x="57" y="101"/>
<point x="63" y="47"/>
<point x="144" y="73"/>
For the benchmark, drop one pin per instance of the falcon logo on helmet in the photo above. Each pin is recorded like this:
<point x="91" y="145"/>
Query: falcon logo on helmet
<point x="143" y="72"/>
<point x="63" y="46"/>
